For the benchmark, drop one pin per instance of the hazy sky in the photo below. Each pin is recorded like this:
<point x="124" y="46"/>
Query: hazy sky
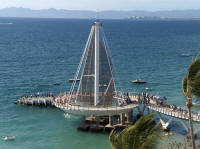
<point x="99" y="5"/>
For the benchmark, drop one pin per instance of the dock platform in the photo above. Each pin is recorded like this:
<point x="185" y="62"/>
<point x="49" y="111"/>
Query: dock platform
<point x="36" y="101"/>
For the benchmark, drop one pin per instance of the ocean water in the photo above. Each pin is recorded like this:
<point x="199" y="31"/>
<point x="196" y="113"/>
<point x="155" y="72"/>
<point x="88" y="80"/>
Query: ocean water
<point x="37" y="53"/>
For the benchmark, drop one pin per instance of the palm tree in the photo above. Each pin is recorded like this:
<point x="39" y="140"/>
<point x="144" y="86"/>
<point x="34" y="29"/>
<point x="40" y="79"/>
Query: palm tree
<point x="142" y="135"/>
<point x="191" y="88"/>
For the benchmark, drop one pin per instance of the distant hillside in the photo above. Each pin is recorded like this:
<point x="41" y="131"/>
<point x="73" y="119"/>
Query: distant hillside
<point x="55" y="13"/>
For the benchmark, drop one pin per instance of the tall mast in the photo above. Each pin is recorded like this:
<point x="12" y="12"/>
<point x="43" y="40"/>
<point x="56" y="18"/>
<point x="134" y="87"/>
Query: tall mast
<point x="96" y="79"/>
<point x="96" y="71"/>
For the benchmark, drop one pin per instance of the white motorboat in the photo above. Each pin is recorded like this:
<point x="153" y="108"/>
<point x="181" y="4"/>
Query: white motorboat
<point x="196" y="102"/>
<point x="139" y="81"/>
<point x="9" y="138"/>
<point x="185" y="55"/>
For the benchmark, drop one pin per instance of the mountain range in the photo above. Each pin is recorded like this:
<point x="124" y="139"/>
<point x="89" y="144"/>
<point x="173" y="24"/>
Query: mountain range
<point x="84" y="14"/>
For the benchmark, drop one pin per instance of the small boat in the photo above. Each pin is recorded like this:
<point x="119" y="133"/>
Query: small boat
<point x="83" y="128"/>
<point x="185" y="55"/>
<point x="6" y="23"/>
<point x="139" y="81"/>
<point x="149" y="89"/>
<point x="96" y="129"/>
<point x="7" y="138"/>
<point x="196" y="103"/>
<point x="72" y="79"/>
<point x="56" y="84"/>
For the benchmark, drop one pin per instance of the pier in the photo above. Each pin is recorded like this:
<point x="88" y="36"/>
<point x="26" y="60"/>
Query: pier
<point x="41" y="101"/>
<point x="122" y="114"/>
<point x="173" y="113"/>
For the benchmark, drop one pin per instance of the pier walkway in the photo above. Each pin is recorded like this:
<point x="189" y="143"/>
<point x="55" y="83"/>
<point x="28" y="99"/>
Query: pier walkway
<point x="60" y="102"/>
<point x="36" y="101"/>
<point x="124" y="108"/>
<point x="173" y="113"/>
<point x="74" y="108"/>
<point x="164" y="108"/>
<point x="97" y="111"/>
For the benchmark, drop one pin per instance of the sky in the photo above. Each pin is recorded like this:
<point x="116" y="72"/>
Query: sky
<point x="100" y="5"/>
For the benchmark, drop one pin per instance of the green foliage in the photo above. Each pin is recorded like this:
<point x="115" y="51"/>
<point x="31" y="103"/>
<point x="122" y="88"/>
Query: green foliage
<point x="184" y="86"/>
<point x="191" y="83"/>
<point x="142" y="135"/>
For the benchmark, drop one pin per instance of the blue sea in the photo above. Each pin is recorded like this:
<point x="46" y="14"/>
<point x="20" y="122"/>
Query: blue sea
<point x="35" y="54"/>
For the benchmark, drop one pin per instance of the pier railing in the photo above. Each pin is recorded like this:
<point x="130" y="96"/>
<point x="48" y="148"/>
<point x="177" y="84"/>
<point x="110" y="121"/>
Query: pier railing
<point x="173" y="113"/>
<point x="136" y="99"/>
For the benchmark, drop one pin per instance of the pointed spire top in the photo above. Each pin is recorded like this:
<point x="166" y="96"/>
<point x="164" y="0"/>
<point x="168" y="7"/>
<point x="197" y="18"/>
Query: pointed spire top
<point x="97" y="23"/>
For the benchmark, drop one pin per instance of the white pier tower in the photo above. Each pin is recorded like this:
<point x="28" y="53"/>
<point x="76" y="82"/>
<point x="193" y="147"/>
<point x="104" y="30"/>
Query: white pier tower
<point x="95" y="94"/>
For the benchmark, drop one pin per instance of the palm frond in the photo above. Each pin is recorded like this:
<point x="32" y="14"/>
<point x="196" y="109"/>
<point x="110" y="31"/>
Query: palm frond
<point x="193" y="69"/>
<point x="195" y="85"/>
<point x="142" y="135"/>
<point x="193" y="77"/>
<point x="115" y="139"/>
<point x="184" y="86"/>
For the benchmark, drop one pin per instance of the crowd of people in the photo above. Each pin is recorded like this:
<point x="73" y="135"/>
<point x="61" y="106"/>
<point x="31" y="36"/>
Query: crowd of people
<point x="36" y="95"/>
<point x="146" y="98"/>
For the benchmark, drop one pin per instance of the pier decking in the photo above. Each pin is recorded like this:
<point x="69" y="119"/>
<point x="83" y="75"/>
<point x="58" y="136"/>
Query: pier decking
<point x="122" y="114"/>
<point x="36" y="101"/>
<point x="99" y="111"/>
<point x="173" y="113"/>
<point x="180" y="114"/>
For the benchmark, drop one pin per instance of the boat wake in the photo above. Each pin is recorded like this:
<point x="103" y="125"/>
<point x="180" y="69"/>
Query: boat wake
<point x="67" y="116"/>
